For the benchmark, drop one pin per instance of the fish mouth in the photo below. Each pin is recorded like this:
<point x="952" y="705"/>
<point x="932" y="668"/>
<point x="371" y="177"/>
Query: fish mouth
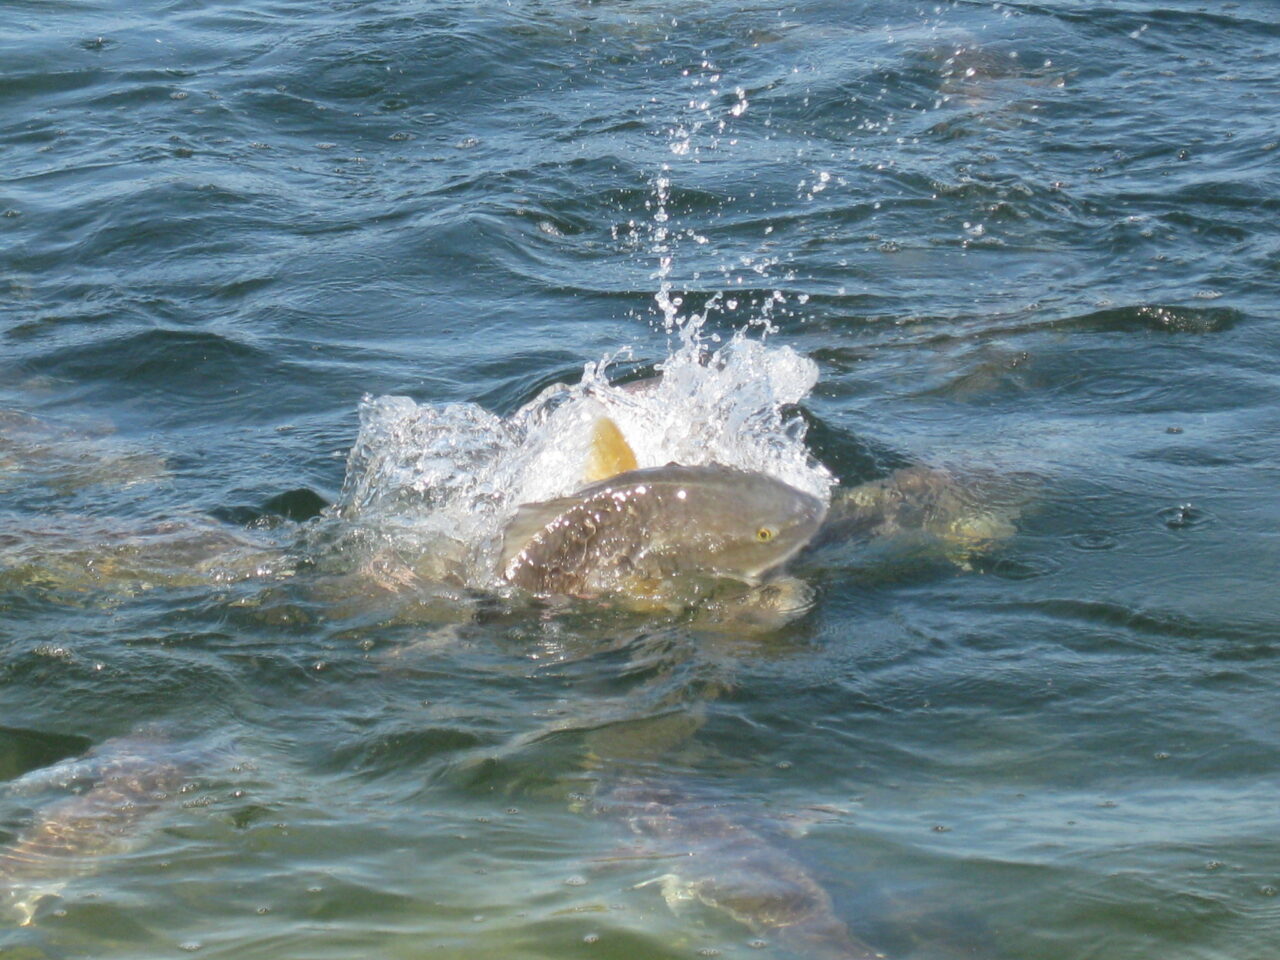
<point x="764" y="571"/>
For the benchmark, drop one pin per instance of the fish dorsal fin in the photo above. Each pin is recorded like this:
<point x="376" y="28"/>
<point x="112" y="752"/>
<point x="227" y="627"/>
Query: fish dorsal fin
<point x="610" y="454"/>
<point x="529" y="520"/>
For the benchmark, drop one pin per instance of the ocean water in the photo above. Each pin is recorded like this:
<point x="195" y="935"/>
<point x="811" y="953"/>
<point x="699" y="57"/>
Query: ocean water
<point x="286" y="292"/>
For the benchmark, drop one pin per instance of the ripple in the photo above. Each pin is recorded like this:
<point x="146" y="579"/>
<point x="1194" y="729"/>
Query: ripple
<point x="1165" y="319"/>
<point x="1204" y="455"/>
<point x="1115" y="385"/>
<point x="1025" y="567"/>
<point x="1242" y="637"/>
<point x="1094" y="540"/>
<point x="386" y="752"/>
<point x="191" y="368"/>
<point x="1185" y="516"/>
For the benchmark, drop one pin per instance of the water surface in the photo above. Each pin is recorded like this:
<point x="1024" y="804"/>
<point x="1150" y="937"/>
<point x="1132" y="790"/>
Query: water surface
<point x="1018" y="240"/>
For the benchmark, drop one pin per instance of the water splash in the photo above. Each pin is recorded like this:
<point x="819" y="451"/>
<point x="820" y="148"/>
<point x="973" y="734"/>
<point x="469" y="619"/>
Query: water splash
<point x="446" y="479"/>
<point x="449" y="477"/>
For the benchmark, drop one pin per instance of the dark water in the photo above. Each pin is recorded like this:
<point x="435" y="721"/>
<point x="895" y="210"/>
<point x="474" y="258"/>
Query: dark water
<point x="1032" y="239"/>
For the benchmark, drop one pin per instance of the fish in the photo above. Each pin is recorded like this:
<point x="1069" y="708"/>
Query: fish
<point x="642" y="528"/>
<point x="66" y="459"/>
<point x="125" y="782"/>
<point x="928" y="510"/>
<point x="66" y="556"/>
<point x="722" y="862"/>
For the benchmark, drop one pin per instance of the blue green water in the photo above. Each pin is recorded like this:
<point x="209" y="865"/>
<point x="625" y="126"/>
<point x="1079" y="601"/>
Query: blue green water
<point x="1038" y="240"/>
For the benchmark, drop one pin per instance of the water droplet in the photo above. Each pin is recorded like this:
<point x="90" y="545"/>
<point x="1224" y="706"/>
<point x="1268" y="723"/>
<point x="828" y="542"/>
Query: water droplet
<point x="1183" y="517"/>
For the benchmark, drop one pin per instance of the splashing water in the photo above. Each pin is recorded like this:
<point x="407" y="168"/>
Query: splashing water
<point x="448" y="478"/>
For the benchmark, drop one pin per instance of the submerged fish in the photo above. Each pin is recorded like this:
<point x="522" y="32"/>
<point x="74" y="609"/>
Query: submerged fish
<point x="728" y="866"/>
<point x="645" y="527"/>
<point x="68" y="556"/>
<point x="128" y="780"/>
<point x="65" y="459"/>
<point x="931" y="511"/>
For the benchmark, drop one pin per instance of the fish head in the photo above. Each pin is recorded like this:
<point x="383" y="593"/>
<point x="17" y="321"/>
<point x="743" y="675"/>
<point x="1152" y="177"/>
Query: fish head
<point x="734" y="522"/>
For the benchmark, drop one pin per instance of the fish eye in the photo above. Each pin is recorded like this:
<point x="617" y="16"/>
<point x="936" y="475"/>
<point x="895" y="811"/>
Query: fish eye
<point x="764" y="534"/>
